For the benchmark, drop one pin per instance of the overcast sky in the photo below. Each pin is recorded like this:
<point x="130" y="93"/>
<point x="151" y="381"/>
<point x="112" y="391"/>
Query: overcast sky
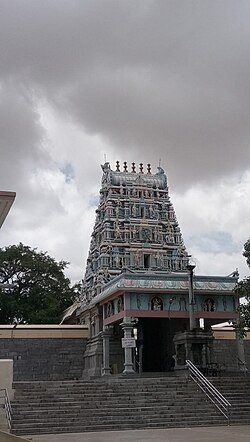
<point x="138" y="80"/>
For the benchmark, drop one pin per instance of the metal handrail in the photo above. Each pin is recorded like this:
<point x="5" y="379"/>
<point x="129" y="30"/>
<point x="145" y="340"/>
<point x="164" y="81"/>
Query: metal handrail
<point x="4" y="395"/>
<point x="209" y="389"/>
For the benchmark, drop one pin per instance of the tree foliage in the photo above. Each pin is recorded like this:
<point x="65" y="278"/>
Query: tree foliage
<point x="38" y="290"/>
<point x="246" y="252"/>
<point x="243" y="290"/>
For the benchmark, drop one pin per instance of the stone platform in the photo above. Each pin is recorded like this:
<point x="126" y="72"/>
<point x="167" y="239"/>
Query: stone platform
<point x="201" y="434"/>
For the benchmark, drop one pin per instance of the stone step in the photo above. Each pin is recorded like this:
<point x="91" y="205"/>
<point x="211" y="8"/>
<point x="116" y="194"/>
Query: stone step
<point x="233" y="388"/>
<point x="116" y="398"/>
<point x="44" y="414"/>
<point x="108" y="389"/>
<point x="113" y="396"/>
<point x="71" y="422"/>
<point x="51" y="407"/>
<point x="104" y="384"/>
<point x="122" y="426"/>
<point x="117" y="422"/>
<point x="181" y="392"/>
<point x="240" y="406"/>
<point x="89" y="422"/>
<point x="108" y="407"/>
<point x="115" y="388"/>
<point x="105" y="400"/>
<point x="111" y="408"/>
<point x="122" y="405"/>
<point x="107" y="393"/>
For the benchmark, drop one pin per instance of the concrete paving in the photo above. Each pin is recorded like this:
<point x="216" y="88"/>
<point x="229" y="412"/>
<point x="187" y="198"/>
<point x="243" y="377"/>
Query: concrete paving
<point x="198" y="434"/>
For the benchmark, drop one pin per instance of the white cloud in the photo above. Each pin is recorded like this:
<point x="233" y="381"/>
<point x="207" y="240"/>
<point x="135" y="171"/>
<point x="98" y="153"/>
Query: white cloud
<point x="215" y="223"/>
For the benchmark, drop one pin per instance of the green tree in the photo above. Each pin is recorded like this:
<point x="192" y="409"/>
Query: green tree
<point x="37" y="291"/>
<point x="246" y="252"/>
<point x="243" y="290"/>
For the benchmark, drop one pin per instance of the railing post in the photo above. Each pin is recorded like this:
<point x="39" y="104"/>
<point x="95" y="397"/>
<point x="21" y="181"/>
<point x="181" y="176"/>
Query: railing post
<point x="139" y="368"/>
<point x="228" y="414"/>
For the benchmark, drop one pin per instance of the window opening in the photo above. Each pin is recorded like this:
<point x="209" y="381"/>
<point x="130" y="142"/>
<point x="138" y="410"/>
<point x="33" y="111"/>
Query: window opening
<point x="146" y="261"/>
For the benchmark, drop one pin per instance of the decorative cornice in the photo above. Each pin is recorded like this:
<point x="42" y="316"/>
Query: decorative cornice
<point x="117" y="178"/>
<point x="170" y="282"/>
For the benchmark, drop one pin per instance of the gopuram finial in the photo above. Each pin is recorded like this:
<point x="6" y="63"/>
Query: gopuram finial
<point x="141" y="167"/>
<point x="125" y="166"/>
<point x="133" y="167"/>
<point x="117" y="166"/>
<point x="149" y="168"/>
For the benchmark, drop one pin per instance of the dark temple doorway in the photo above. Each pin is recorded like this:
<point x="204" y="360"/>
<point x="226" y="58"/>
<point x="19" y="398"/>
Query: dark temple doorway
<point x="155" y="340"/>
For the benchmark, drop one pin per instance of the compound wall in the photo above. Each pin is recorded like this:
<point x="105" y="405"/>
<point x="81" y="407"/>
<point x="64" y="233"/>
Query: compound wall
<point x="44" y="352"/>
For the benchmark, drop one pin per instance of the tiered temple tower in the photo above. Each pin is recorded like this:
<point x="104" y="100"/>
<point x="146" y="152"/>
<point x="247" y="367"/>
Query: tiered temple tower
<point x="140" y="299"/>
<point x="135" y="229"/>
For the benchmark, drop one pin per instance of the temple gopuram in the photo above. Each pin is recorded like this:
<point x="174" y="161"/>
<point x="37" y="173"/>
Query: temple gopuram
<point x="146" y="309"/>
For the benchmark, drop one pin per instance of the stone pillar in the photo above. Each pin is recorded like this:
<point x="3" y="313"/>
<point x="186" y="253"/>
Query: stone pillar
<point x="189" y="353"/>
<point x="241" y="353"/>
<point x="106" y="370"/>
<point x="127" y="327"/>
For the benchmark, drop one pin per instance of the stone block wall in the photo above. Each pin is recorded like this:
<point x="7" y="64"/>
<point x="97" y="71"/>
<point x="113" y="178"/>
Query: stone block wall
<point x="93" y="357"/>
<point x="226" y="355"/>
<point x="44" y="359"/>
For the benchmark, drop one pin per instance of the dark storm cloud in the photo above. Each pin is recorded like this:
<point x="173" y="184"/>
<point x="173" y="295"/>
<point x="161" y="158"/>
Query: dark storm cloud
<point x="153" y="78"/>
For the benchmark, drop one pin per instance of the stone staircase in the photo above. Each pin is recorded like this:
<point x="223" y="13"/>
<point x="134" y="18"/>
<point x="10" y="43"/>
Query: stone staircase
<point x="236" y="390"/>
<point x="117" y="404"/>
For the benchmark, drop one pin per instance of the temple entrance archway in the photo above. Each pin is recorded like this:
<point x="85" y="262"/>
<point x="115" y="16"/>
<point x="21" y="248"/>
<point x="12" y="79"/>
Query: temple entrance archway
<point x="155" y="343"/>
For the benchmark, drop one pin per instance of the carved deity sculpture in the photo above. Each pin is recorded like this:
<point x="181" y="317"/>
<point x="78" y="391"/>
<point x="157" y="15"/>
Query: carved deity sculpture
<point x="134" y="233"/>
<point x="182" y="304"/>
<point x="156" y="234"/>
<point x="118" y="261"/>
<point x="160" y="171"/>
<point x="151" y="211"/>
<point x="209" y="305"/>
<point x="134" y="211"/>
<point x="100" y="279"/>
<point x="106" y="173"/>
<point x="156" y="304"/>
<point x="159" y="260"/>
<point x="137" y="258"/>
<point x="117" y="211"/>
<point x="146" y="234"/>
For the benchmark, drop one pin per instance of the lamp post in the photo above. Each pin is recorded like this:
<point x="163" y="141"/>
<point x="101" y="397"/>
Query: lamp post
<point x="192" y="321"/>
